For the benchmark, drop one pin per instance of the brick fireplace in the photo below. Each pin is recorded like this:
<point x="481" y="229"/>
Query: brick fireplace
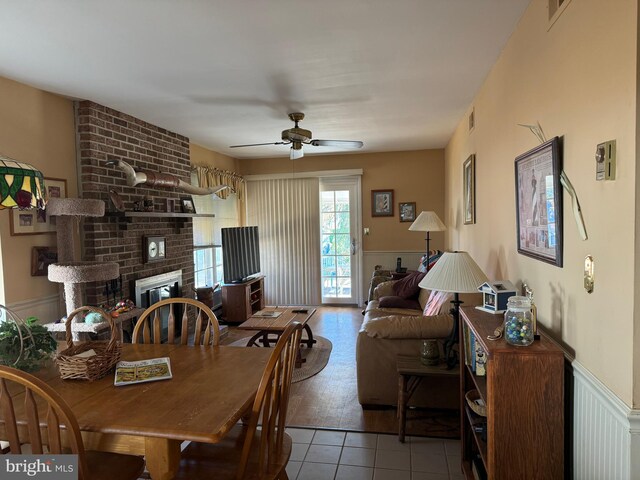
<point x="105" y="134"/>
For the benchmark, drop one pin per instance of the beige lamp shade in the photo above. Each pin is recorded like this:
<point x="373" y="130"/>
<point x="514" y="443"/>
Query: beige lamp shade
<point x="427" y="222"/>
<point x="455" y="272"/>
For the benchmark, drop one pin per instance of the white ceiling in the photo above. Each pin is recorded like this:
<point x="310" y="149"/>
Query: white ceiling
<point x="396" y="74"/>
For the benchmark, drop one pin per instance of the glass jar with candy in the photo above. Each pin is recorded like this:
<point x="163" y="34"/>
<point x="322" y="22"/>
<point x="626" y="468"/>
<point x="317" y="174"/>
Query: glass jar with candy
<point x="518" y="322"/>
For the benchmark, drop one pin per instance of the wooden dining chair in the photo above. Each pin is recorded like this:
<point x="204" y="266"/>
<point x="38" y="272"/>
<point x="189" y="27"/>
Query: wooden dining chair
<point x="23" y="398"/>
<point x="249" y="452"/>
<point x="148" y="328"/>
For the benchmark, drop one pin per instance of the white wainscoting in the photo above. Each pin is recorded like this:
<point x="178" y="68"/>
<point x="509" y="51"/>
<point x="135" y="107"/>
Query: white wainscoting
<point x="370" y="259"/>
<point x="606" y="432"/>
<point x="46" y="309"/>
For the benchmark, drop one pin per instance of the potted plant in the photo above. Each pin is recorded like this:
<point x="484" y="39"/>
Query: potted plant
<point x="24" y="344"/>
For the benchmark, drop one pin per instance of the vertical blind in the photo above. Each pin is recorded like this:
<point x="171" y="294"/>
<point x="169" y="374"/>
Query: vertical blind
<point x="286" y="212"/>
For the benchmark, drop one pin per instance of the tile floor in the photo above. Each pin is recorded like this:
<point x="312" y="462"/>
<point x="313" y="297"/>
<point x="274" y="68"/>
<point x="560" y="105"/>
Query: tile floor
<point x="330" y="454"/>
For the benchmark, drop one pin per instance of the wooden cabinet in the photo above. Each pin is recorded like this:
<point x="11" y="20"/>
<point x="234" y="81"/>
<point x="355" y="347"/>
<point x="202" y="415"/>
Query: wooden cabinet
<point x="241" y="300"/>
<point x="522" y="435"/>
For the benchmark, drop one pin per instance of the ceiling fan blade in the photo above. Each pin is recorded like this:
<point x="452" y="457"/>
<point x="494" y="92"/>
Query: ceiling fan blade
<point x="296" y="153"/>
<point x="259" y="144"/>
<point x="337" y="143"/>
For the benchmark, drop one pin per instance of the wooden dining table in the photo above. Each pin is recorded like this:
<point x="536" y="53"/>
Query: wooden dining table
<point x="211" y="389"/>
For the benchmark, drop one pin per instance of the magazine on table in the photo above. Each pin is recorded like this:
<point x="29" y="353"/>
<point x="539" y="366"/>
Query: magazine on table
<point x="129" y="373"/>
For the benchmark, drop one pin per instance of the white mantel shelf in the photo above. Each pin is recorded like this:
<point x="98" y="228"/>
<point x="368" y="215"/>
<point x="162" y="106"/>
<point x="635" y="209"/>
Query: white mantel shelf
<point x="124" y="219"/>
<point x="158" y="215"/>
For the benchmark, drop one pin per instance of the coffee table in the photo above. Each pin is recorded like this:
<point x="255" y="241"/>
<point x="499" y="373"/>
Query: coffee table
<point x="274" y="320"/>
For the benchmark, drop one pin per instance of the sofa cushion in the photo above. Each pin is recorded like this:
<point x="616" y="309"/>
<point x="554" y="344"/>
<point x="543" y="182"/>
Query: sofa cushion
<point x="408" y="326"/>
<point x="399" y="302"/>
<point x="407" y="287"/>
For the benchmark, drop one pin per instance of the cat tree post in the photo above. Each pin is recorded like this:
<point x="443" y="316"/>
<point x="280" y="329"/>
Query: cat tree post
<point x="68" y="271"/>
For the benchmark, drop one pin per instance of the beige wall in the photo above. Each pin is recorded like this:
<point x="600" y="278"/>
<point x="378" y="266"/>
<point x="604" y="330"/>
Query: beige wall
<point x="580" y="85"/>
<point x="38" y="128"/>
<point x="415" y="176"/>
<point x="201" y="156"/>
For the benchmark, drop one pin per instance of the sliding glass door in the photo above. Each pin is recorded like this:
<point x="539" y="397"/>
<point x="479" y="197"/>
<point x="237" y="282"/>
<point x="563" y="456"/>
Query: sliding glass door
<point x="339" y="240"/>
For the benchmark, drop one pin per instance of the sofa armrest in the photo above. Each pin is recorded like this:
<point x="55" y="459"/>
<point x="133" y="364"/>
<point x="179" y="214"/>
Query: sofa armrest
<point x="384" y="289"/>
<point x="405" y="326"/>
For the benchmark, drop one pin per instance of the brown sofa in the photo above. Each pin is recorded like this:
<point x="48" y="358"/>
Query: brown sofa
<point x="388" y="332"/>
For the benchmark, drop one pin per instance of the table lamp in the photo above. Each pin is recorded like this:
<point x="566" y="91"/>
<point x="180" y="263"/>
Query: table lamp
<point x="455" y="272"/>
<point x="427" y="222"/>
<point x="21" y="185"/>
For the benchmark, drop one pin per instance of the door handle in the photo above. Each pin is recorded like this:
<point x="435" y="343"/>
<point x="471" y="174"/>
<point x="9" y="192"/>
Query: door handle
<point x="353" y="246"/>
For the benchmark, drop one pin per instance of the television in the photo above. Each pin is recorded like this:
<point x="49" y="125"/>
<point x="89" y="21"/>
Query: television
<point x="240" y="253"/>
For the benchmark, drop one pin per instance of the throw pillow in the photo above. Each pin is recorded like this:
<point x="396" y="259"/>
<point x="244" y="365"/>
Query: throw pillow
<point x="399" y="302"/>
<point x="436" y="301"/>
<point x="407" y="287"/>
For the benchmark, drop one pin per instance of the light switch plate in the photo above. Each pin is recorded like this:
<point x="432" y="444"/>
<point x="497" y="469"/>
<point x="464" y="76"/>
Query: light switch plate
<point x="366" y="230"/>
<point x="588" y="274"/>
<point x="606" y="160"/>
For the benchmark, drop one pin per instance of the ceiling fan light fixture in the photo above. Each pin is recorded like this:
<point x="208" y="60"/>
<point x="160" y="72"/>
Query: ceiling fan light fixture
<point x="297" y="136"/>
<point x="296" y="151"/>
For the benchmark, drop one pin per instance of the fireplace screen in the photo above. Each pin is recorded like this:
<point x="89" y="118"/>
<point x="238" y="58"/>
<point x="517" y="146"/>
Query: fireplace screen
<point x="151" y="290"/>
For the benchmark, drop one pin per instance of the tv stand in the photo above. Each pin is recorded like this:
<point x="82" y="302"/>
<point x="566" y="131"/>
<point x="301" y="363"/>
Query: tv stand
<point x="241" y="300"/>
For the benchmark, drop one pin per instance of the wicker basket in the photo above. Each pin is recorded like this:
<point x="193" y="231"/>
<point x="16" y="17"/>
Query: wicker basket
<point x="471" y="396"/>
<point x="89" y="368"/>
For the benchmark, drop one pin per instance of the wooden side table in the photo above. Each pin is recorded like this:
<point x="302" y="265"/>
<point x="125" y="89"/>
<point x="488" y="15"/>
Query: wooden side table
<point x="411" y="372"/>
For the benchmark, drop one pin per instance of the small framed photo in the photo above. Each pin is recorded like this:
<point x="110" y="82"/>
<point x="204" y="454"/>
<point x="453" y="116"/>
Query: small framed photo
<point x="41" y="258"/>
<point x="382" y="203"/>
<point x="408" y="212"/>
<point x="34" y="221"/>
<point x="469" y="189"/>
<point x="187" y="205"/>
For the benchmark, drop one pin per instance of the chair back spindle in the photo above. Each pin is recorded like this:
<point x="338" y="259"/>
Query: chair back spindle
<point x="206" y="330"/>
<point x="271" y="403"/>
<point x="20" y="405"/>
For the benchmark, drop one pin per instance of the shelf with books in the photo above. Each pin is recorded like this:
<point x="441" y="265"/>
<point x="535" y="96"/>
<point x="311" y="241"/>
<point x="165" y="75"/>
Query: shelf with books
<point x="477" y="423"/>
<point x="523" y="395"/>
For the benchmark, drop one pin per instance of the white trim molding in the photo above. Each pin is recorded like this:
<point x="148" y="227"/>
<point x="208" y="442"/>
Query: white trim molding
<point x="606" y="431"/>
<point x="46" y="309"/>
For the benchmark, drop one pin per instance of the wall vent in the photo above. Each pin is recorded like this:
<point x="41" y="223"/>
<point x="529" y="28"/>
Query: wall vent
<point x="556" y="7"/>
<point x="472" y="119"/>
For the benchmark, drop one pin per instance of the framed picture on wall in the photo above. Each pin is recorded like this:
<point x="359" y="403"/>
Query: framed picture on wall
<point x="469" y="190"/>
<point x="382" y="203"/>
<point x="539" y="203"/>
<point x="187" y="205"/>
<point x="407" y="211"/>
<point x="34" y="220"/>
<point x="41" y="258"/>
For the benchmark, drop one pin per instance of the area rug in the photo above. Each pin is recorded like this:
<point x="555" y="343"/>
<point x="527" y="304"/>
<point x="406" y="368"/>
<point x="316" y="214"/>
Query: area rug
<point x="316" y="357"/>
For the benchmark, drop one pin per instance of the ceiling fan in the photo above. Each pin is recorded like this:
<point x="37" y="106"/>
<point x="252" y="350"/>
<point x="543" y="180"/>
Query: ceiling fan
<point x="297" y="137"/>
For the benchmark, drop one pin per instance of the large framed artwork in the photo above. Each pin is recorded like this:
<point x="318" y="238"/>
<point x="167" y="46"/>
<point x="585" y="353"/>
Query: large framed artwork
<point x="382" y="203"/>
<point x="469" y="189"/>
<point x="34" y="221"/>
<point x="539" y="202"/>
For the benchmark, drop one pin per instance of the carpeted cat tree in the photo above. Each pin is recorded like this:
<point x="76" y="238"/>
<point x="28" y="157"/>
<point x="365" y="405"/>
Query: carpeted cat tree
<point x="68" y="271"/>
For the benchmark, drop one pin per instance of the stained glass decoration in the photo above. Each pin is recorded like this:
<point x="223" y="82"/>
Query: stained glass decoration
<point x="21" y="185"/>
